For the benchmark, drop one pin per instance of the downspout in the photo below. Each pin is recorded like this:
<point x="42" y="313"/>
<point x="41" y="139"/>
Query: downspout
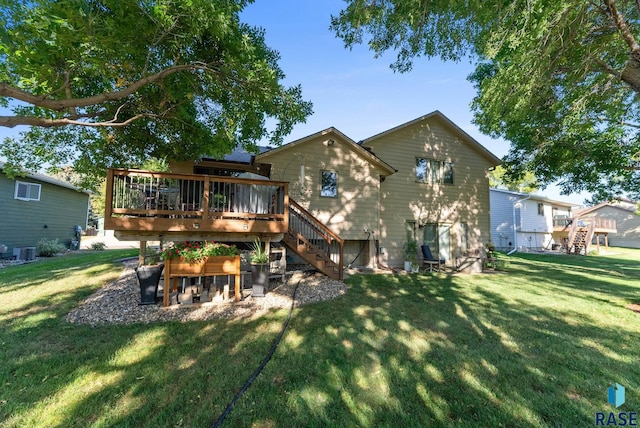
<point x="515" y="231"/>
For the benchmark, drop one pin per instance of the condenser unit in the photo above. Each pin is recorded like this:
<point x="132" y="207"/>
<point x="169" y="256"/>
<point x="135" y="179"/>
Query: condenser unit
<point x="24" y="253"/>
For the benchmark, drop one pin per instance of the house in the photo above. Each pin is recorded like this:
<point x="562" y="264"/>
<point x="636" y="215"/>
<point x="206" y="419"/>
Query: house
<point x="37" y="206"/>
<point x="424" y="180"/>
<point x="332" y="201"/>
<point x="624" y="214"/>
<point x="440" y="194"/>
<point x="532" y="222"/>
<point x="528" y="221"/>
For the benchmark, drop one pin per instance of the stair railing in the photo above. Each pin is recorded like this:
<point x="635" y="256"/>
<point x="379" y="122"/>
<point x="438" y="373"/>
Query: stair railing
<point x="317" y="237"/>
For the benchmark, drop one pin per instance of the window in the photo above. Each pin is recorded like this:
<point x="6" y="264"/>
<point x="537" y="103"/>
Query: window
<point x="540" y="208"/>
<point x="329" y="184"/>
<point x="410" y="227"/>
<point x="433" y="171"/>
<point x="27" y="191"/>
<point x="464" y="236"/>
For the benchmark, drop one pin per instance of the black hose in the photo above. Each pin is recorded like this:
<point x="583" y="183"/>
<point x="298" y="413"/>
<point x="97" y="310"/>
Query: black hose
<point x="361" y="250"/>
<point x="264" y="362"/>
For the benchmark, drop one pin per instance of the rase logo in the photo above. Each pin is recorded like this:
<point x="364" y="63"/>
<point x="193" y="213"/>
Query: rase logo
<point x="615" y="397"/>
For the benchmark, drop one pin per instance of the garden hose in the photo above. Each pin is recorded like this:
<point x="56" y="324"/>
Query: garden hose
<point x="264" y="362"/>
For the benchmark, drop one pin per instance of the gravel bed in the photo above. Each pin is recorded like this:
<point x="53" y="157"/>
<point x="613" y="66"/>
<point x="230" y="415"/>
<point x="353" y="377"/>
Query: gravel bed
<point x="117" y="302"/>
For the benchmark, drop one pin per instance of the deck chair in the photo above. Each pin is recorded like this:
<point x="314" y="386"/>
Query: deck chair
<point x="429" y="262"/>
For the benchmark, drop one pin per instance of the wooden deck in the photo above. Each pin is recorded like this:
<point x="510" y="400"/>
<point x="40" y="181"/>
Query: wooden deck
<point x="144" y="205"/>
<point x="600" y="225"/>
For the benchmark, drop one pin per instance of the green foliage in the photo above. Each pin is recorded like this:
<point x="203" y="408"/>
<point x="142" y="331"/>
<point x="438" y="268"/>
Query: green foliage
<point x="560" y="80"/>
<point x="193" y="252"/>
<point x="410" y="249"/>
<point x="49" y="247"/>
<point x="525" y="182"/>
<point x="113" y="83"/>
<point x="98" y="246"/>
<point x="156" y="165"/>
<point x="259" y="253"/>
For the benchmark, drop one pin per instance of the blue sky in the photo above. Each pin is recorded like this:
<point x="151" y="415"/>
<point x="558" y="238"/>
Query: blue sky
<point x="355" y="92"/>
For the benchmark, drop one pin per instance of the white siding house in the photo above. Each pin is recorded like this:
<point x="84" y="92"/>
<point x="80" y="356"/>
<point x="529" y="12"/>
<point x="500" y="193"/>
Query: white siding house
<point x="526" y="221"/>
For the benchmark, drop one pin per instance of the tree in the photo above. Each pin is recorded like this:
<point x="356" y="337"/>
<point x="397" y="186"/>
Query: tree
<point x="559" y="79"/>
<point x="110" y="83"/>
<point x="527" y="182"/>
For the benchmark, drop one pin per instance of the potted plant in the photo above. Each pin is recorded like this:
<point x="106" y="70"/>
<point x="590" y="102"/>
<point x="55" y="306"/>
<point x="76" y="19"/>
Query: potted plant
<point x="410" y="249"/>
<point x="148" y="275"/>
<point x="259" y="268"/>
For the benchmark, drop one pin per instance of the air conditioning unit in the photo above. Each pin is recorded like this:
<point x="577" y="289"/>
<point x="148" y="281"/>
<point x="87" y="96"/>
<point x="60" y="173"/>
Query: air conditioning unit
<point x="24" y="253"/>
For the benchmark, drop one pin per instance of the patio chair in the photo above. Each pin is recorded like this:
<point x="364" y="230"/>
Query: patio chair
<point x="429" y="262"/>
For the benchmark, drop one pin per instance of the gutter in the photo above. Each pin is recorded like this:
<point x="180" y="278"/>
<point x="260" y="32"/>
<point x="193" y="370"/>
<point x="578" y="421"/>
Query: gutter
<point x="515" y="231"/>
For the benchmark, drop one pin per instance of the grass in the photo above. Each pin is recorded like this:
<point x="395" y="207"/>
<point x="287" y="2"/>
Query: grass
<point x="537" y="345"/>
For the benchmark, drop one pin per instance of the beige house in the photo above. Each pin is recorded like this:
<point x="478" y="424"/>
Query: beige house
<point x="627" y="221"/>
<point x="331" y="201"/>
<point x="425" y="180"/>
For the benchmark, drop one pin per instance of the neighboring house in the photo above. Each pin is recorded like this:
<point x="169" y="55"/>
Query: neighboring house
<point x="37" y="206"/>
<point x="540" y="223"/>
<point x="627" y="221"/>
<point x="425" y="180"/>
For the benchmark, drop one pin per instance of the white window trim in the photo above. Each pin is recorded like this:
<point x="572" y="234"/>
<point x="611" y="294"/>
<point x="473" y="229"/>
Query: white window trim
<point x="435" y="171"/>
<point x="25" y="183"/>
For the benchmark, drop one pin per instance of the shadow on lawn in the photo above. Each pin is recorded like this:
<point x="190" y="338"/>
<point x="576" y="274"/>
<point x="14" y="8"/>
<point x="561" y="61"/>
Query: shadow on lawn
<point x="417" y="350"/>
<point x="423" y="351"/>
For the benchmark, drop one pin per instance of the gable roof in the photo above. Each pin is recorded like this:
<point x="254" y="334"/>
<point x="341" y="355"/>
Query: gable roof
<point x="47" y="179"/>
<point x="619" y="206"/>
<point x="534" y="197"/>
<point x="361" y="151"/>
<point x="493" y="159"/>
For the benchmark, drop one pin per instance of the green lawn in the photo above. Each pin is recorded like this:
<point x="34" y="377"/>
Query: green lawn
<point x="536" y="345"/>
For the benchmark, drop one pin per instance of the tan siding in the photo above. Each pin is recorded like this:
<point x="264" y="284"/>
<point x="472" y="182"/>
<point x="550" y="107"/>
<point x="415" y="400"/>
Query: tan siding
<point x="627" y="226"/>
<point x="402" y="198"/>
<point x="355" y="207"/>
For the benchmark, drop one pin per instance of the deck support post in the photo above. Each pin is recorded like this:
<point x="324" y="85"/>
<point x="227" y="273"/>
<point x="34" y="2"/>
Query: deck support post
<point x="143" y="252"/>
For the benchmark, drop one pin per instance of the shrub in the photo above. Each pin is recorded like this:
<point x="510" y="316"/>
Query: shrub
<point x="98" y="246"/>
<point x="193" y="252"/>
<point x="49" y="247"/>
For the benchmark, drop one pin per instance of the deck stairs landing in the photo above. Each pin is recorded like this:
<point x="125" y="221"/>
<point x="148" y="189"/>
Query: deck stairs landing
<point x="314" y="242"/>
<point x="580" y="237"/>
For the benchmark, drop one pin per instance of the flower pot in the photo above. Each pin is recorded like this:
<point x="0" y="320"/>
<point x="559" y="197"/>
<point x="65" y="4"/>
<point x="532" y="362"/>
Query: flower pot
<point x="259" y="278"/>
<point x="149" y="278"/>
<point x="407" y="266"/>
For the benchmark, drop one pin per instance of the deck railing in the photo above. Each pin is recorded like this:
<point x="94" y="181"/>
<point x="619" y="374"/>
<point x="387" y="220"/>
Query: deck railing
<point x="599" y="223"/>
<point x="321" y="244"/>
<point x="144" y="200"/>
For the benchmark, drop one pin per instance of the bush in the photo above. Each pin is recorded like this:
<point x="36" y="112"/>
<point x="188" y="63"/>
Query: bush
<point x="49" y="247"/>
<point x="98" y="246"/>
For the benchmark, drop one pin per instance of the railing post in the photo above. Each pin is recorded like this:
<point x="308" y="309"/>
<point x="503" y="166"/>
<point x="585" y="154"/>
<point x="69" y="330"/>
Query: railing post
<point x="205" y="198"/>
<point x="108" y="200"/>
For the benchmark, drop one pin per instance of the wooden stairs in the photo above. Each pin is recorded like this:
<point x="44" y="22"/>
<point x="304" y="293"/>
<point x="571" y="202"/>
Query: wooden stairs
<point x="314" y="242"/>
<point x="580" y="237"/>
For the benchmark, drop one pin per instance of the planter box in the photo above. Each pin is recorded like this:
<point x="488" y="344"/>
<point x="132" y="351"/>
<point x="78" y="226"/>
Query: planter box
<point x="211" y="266"/>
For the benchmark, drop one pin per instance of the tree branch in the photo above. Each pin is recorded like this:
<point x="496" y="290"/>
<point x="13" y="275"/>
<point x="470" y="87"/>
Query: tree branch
<point x="65" y="104"/>
<point x="12" y="121"/>
<point x="619" y="21"/>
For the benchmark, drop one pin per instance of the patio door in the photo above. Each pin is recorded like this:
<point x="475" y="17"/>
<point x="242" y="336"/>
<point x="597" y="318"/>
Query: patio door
<point x="444" y="241"/>
<point x="438" y="238"/>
